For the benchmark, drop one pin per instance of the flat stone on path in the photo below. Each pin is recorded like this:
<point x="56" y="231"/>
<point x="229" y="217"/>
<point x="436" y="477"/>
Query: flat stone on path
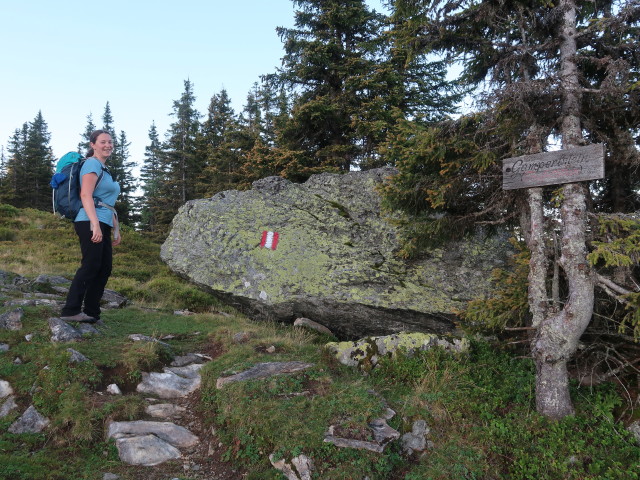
<point x="167" y="385"/>
<point x="264" y="370"/>
<point x="169" y="432"/>
<point x="147" y="450"/>
<point x="165" y="410"/>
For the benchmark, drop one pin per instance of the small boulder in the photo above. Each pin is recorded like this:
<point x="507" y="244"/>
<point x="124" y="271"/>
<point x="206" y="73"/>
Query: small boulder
<point x="12" y="320"/>
<point x="112" y="299"/>
<point x="416" y="439"/>
<point x="8" y="405"/>
<point x="5" y="389"/>
<point x="62" y="331"/>
<point x="31" y="421"/>
<point x="264" y="370"/>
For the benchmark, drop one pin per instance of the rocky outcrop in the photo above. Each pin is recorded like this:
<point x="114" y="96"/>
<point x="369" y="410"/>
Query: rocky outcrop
<point x="332" y="261"/>
<point x="366" y="352"/>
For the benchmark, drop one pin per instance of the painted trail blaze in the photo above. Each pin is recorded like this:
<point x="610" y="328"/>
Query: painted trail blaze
<point x="269" y="240"/>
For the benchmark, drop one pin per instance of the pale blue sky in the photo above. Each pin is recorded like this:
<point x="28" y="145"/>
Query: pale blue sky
<point x="69" y="58"/>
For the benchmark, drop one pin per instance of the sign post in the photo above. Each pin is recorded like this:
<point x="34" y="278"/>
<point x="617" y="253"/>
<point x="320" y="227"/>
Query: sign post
<point x="551" y="168"/>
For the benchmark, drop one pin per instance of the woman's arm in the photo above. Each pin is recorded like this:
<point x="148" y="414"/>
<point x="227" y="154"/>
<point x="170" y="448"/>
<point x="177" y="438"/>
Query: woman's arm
<point x="89" y="181"/>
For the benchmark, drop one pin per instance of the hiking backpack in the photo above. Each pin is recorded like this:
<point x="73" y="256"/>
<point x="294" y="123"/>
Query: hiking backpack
<point x="66" y="186"/>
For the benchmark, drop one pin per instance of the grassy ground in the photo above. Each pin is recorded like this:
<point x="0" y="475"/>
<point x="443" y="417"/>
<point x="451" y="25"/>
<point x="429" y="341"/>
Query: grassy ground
<point x="479" y="406"/>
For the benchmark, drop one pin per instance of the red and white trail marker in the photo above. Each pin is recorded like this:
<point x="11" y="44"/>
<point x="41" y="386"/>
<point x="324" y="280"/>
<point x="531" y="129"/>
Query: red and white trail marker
<point x="269" y="240"/>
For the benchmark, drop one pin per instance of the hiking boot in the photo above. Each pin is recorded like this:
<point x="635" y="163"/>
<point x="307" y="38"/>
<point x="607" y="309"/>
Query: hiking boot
<point x="79" y="317"/>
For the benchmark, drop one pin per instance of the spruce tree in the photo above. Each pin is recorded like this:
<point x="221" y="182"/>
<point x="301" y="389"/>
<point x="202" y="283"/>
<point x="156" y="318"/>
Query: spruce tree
<point x="83" y="146"/>
<point x="39" y="158"/>
<point x="151" y="175"/>
<point x="225" y="142"/>
<point x="180" y="159"/>
<point x="29" y="166"/>
<point x="330" y="57"/>
<point x="123" y="172"/>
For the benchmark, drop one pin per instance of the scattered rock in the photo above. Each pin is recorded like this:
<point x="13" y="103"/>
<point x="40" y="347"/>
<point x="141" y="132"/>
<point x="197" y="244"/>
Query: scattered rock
<point x="5" y="389"/>
<point x="62" y="331"/>
<point x="111" y="299"/>
<point x="169" y="432"/>
<point x="12" y="320"/>
<point x="11" y="279"/>
<point x="306" y="323"/>
<point x="76" y="357"/>
<point x="416" y="440"/>
<point x="4" y="347"/>
<point x="147" y="450"/>
<point x="184" y="313"/>
<point x="184" y="360"/>
<point x="165" y="410"/>
<point x="242" y="337"/>
<point x="33" y="302"/>
<point x="264" y="370"/>
<point x="28" y="337"/>
<point x="51" y="280"/>
<point x="351" y="443"/>
<point x="113" y="389"/>
<point x="30" y="422"/>
<point x="110" y="476"/>
<point x="271" y="349"/>
<point x="8" y="405"/>
<point x="382" y="432"/>
<point x="167" y="385"/>
<point x="303" y="467"/>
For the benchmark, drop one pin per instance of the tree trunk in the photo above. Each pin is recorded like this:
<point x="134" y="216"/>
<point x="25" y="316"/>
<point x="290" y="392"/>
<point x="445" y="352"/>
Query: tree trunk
<point x="557" y="336"/>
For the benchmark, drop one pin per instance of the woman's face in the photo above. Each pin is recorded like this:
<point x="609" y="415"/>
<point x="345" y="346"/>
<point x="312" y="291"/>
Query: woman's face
<point x="103" y="146"/>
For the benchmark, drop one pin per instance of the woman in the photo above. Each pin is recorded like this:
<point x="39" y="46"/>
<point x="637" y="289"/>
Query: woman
<point x="93" y="225"/>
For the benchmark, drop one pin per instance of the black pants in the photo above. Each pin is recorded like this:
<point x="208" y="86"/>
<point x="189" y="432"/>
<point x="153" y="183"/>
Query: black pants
<point x="95" y="269"/>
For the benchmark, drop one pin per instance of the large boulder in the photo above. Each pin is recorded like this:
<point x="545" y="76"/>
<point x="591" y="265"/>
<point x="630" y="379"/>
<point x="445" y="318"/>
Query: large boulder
<point x="334" y="261"/>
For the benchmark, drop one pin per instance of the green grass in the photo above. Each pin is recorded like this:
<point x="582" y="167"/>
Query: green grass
<point x="479" y="406"/>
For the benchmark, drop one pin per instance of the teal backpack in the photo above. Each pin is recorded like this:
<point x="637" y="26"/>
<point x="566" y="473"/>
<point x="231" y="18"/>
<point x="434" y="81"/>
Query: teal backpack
<point x="66" y="186"/>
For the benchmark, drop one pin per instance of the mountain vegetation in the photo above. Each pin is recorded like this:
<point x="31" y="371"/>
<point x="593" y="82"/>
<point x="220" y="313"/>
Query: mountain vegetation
<point x="358" y="89"/>
<point x="479" y="406"/>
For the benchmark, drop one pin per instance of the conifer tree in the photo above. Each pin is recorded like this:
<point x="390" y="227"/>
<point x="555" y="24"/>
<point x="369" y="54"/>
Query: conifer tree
<point x="40" y="161"/>
<point x="330" y="57"/>
<point x="29" y="166"/>
<point x="226" y="143"/>
<point x="181" y="162"/>
<point x="123" y="172"/>
<point x="151" y="175"/>
<point x="83" y="146"/>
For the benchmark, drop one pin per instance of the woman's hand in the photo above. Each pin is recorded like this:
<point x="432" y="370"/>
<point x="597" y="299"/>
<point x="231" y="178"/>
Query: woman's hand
<point x="96" y="231"/>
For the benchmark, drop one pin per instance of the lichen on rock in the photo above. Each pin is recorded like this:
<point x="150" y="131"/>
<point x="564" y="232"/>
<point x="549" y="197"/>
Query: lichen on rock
<point x="335" y="261"/>
<point x="366" y="352"/>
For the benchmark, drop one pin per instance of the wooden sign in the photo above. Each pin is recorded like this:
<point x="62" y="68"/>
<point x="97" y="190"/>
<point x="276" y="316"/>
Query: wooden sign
<point x="551" y="168"/>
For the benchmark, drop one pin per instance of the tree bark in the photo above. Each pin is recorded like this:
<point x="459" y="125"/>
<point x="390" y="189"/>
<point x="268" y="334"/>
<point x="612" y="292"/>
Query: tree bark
<point x="557" y="336"/>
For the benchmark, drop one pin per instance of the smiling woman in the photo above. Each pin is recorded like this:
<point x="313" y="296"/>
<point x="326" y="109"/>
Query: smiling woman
<point x="93" y="225"/>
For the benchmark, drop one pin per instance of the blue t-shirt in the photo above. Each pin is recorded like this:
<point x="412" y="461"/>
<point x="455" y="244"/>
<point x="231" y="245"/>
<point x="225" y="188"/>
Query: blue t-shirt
<point x="107" y="191"/>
